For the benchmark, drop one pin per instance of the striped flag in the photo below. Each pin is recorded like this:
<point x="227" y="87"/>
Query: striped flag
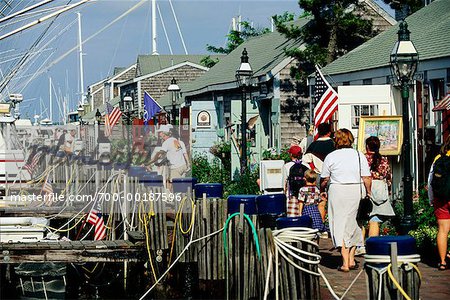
<point x="112" y="116"/>
<point x="32" y="162"/>
<point x="326" y="100"/>
<point x="47" y="189"/>
<point x="95" y="218"/>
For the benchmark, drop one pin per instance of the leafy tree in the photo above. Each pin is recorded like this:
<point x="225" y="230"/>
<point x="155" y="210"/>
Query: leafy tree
<point x="413" y="5"/>
<point x="234" y="39"/>
<point x="335" y="27"/>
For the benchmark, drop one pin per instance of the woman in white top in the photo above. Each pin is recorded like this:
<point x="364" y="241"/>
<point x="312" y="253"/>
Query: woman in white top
<point x="342" y="172"/>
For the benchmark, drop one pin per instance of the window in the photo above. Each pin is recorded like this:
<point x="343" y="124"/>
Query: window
<point x="367" y="81"/>
<point x="362" y="110"/>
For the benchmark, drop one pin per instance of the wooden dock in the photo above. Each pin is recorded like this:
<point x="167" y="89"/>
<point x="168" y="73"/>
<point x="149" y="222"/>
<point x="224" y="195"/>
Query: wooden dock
<point x="72" y="251"/>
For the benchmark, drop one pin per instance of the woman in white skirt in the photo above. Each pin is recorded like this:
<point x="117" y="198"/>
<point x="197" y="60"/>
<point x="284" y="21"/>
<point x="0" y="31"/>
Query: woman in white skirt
<point x="345" y="179"/>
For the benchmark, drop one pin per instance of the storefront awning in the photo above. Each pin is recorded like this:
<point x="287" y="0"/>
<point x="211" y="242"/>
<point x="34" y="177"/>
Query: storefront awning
<point x="444" y="104"/>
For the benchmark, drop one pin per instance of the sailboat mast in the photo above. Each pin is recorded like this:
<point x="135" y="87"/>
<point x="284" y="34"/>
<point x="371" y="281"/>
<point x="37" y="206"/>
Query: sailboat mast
<point x="51" y="98"/>
<point x="154" y="51"/>
<point x="80" y="52"/>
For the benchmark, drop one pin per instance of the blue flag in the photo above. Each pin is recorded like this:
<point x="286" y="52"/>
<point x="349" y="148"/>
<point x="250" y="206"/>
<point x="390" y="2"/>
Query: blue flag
<point x="151" y="108"/>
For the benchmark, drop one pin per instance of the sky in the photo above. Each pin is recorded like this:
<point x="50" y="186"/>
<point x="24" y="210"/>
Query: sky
<point x="201" y="22"/>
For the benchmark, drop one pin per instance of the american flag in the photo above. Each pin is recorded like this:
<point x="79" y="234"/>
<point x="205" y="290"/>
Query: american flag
<point x="95" y="218"/>
<point x="32" y="162"/>
<point x="112" y="116"/>
<point x="48" y="191"/>
<point x="326" y="100"/>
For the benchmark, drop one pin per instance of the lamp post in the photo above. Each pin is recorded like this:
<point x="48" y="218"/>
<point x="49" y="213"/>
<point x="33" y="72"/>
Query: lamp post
<point x="127" y="107"/>
<point x="80" y="111"/>
<point x="174" y="89"/>
<point x="404" y="59"/>
<point x="243" y="77"/>
<point x="98" y="118"/>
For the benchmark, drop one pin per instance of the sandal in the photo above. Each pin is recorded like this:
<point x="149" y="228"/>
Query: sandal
<point x="340" y="269"/>
<point x="442" y="267"/>
<point x="355" y="266"/>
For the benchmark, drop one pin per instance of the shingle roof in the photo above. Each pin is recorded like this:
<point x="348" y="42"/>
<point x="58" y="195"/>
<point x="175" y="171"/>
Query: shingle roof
<point x="429" y="28"/>
<point x="148" y="64"/>
<point x="265" y="52"/>
<point x="118" y="70"/>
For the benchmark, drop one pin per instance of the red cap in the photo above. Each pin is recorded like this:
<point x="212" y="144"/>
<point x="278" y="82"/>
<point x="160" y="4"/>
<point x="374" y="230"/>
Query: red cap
<point x="295" y="150"/>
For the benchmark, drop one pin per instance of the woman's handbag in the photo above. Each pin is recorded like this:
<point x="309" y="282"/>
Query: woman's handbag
<point x="364" y="209"/>
<point x="365" y="204"/>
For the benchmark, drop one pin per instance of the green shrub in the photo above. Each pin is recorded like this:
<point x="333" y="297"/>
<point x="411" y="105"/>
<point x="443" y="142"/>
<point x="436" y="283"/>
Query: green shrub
<point x="244" y="184"/>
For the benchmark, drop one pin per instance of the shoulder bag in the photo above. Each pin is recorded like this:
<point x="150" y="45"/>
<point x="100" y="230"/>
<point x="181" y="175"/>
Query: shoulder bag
<point x="365" y="204"/>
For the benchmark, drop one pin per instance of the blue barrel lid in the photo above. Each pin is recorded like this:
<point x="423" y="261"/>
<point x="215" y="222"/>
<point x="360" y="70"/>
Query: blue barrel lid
<point x="60" y="154"/>
<point x="302" y="221"/>
<point x="380" y="245"/>
<point x="181" y="185"/>
<point x="212" y="190"/>
<point x="249" y="201"/>
<point x="272" y="204"/>
<point x="136" y="171"/>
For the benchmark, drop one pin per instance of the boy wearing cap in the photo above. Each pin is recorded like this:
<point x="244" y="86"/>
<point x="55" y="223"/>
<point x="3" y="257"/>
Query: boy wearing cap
<point x="294" y="174"/>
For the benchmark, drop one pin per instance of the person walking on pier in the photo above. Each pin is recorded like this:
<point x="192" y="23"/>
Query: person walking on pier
<point x="438" y="194"/>
<point x="381" y="184"/>
<point x="345" y="175"/>
<point x="316" y="154"/>
<point x="175" y="152"/>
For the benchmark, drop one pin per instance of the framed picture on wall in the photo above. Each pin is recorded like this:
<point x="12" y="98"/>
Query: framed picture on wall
<point x="389" y="129"/>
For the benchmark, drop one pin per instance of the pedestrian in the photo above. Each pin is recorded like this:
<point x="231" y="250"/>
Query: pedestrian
<point x="345" y="175"/>
<point x="440" y="200"/>
<point x="175" y="152"/>
<point x="316" y="154"/>
<point x="295" y="180"/>
<point x="309" y="198"/>
<point x="381" y="185"/>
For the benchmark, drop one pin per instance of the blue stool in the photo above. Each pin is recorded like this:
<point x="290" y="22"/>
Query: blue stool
<point x="287" y="222"/>
<point x="273" y="204"/>
<point x="249" y="201"/>
<point x="181" y="185"/>
<point x="380" y="245"/>
<point x="151" y="180"/>
<point x="212" y="190"/>
<point x="136" y="171"/>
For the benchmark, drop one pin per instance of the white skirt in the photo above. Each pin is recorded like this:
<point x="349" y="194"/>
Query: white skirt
<point x="343" y="201"/>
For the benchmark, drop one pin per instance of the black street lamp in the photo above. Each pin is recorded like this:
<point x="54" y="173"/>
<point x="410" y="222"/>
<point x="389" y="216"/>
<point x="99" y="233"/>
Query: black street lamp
<point x="127" y="102"/>
<point x="243" y="78"/>
<point x="80" y="111"/>
<point x="174" y="90"/>
<point x="404" y="59"/>
<point x="98" y="117"/>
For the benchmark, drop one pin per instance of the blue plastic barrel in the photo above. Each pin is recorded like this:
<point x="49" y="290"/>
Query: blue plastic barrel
<point x="106" y="166"/>
<point x="60" y="154"/>
<point x="151" y="180"/>
<point x="273" y="204"/>
<point x="380" y="245"/>
<point x="120" y="166"/>
<point x="302" y="221"/>
<point x="249" y="201"/>
<point x="181" y="185"/>
<point x="212" y="190"/>
<point x="136" y="171"/>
